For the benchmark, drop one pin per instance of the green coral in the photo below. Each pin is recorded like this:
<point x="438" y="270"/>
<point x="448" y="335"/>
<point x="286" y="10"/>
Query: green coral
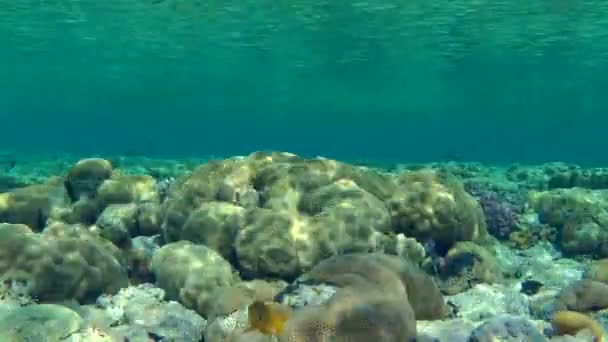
<point x="121" y="189"/>
<point x="388" y="274"/>
<point x="215" y="224"/>
<point x="465" y="265"/>
<point x="190" y="273"/>
<point x="580" y="217"/>
<point x="583" y="295"/>
<point x="31" y="205"/>
<point x="285" y="213"/>
<point x="582" y="178"/>
<point x="84" y="178"/>
<point x="438" y="208"/>
<point x="379" y="297"/>
<point x="64" y="262"/>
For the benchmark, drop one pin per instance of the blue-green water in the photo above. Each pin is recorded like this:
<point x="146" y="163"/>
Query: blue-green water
<point x="496" y="81"/>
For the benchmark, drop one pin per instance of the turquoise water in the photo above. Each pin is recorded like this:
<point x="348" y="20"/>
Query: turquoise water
<point x="496" y="81"/>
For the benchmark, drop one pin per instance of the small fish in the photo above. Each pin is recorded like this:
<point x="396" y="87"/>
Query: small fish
<point x="267" y="318"/>
<point x="531" y="287"/>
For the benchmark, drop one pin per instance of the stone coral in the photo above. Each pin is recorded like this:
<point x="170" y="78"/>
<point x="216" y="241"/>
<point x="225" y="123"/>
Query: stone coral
<point x="598" y="271"/>
<point x="580" y="217"/>
<point x="583" y="295"/>
<point x="31" y="205"/>
<point x="190" y="273"/>
<point x="381" y="272"/>
<point x="280" y="214"/>
<point x="437" y="208"/>
<point x="65" y="262"/>
<point x="353" y="316"/>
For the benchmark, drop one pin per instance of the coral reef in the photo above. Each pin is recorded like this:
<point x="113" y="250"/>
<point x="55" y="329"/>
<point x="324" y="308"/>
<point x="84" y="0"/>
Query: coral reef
<point x="580" y="217"/>
<point x="575" y="177"/>
<point x="124" y="248"/>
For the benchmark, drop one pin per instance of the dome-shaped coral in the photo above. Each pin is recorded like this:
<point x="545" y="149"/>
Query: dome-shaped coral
<point x="437" y="208"/>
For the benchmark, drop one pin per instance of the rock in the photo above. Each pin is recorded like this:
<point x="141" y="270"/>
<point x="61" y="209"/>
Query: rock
<point x="44" y="322"/>
<point x="299" y="295"/>
<point x="221" y="328"/>
<point x="542" y="263"/>
<point x="507" y="328"/>
<point x="140" y="312"/>
<point x="484" y="301"/>
<point x="453" y="330"/>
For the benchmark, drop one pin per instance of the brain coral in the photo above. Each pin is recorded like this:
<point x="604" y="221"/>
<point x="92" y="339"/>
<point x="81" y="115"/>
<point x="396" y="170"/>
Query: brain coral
<point x="388" y="274"/>
<point x="438" y="208"/>
<point x="277" y="214"/>
<point x="64" y="262"/>
<point x="190" y="273"/>
<point x="31" y="205"/>
<point x="353" y="316"/>
<point x="580" y="217"/>
<point x="86" y="176"/>
<point x="583" y="295"/>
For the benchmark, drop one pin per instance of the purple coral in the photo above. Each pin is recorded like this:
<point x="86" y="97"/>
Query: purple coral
<point x="500" y="217"/>
<point x="500" y="214"/>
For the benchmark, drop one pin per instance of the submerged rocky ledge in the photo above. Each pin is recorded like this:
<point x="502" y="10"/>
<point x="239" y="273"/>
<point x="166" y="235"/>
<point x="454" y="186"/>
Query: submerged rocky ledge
<point x="141" y="249"/>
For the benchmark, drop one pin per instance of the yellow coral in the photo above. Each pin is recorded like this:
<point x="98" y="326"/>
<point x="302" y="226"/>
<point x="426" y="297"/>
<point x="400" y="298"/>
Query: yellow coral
<point x="571" y="322"/>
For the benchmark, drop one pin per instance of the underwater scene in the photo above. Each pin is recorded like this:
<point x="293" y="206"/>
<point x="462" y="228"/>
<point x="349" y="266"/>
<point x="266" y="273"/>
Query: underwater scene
<point x="303" y="171"/>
